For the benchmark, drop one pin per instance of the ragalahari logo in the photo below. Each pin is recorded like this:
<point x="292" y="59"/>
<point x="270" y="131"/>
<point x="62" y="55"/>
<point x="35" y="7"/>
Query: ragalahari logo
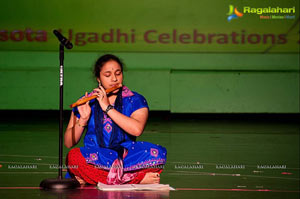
<point x="233" y="13"/>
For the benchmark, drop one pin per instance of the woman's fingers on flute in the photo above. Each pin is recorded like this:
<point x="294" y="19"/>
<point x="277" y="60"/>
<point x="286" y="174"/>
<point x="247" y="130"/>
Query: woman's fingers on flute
<point x="102" y="89"/>
<point x="86" y="95"/>
<point x="98" y="92"/>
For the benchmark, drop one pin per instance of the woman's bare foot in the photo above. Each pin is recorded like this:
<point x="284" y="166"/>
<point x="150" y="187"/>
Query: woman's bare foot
<point x="151" y="178"/>
<point x="80" y="180"/>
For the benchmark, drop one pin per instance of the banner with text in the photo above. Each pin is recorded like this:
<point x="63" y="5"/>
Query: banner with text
<point x="252" y="26"/>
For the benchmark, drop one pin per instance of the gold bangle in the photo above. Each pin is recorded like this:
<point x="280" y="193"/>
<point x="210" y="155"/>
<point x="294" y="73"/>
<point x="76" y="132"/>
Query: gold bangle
<point x="77" y="122"/>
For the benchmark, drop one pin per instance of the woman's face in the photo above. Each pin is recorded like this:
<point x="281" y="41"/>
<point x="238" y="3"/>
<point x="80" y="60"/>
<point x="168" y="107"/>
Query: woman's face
<point x="111" y="74"/>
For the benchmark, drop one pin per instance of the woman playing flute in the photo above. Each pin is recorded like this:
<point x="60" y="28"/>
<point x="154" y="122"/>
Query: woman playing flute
<point x="111" y="154"/>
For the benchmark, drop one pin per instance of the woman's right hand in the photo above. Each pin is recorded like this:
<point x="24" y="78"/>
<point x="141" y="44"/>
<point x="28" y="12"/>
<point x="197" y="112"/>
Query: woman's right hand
<point x="84" y="111"/>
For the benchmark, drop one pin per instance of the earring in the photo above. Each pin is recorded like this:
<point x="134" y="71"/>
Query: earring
<point x="99" y="84"/>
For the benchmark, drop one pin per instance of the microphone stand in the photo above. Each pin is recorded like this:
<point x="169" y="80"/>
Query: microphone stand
<point x="60" y="183"/>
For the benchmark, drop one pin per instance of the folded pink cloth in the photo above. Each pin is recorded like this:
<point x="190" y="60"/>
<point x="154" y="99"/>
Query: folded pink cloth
<point x="116" y="175"/>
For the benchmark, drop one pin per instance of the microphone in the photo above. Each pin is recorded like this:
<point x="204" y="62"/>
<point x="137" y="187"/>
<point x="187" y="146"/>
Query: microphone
<point x="64" y="41"/>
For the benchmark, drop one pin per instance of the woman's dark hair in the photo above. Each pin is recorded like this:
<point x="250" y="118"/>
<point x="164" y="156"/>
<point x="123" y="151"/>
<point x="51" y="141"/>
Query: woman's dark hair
<point x="102" y="60"/>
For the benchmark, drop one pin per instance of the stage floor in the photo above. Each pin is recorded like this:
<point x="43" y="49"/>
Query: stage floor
<point x="215" y="157"/>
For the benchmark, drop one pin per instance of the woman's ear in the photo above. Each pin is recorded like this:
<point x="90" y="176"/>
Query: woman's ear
<point x="99" y="83"/>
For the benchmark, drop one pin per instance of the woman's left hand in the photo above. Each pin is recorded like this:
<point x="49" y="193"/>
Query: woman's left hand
<point x="102" y="97"/>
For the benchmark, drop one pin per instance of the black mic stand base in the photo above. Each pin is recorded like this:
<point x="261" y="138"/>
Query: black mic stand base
<point x="58" y="184"/>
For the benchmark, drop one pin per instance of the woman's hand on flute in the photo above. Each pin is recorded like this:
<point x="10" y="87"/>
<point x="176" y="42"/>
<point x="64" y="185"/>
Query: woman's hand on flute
<point x="84" y="111"/>
<point x="102" y="97"/>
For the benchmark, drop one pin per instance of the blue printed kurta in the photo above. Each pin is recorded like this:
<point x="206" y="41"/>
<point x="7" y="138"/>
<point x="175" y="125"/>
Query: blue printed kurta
<point x="140" y="154"/>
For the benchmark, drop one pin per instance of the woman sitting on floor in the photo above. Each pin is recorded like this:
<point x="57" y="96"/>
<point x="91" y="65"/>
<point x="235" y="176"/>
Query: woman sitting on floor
<point x="111" y="154"/>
